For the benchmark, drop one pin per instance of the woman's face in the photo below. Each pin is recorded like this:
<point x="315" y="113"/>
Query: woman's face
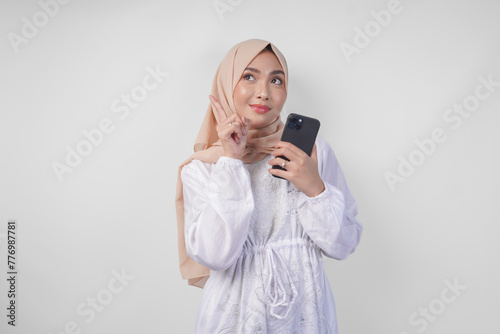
<point x="260" y="93"/>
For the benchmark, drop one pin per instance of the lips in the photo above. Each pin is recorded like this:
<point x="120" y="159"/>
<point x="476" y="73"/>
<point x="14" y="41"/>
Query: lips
<point x="260" y="108"/>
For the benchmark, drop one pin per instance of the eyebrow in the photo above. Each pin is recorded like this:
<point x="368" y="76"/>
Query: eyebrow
<point x="251" y="69"/>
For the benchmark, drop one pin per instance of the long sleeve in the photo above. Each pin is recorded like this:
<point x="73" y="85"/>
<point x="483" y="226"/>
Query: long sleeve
<point x="218" y="205"/>
<point x="329" y="219"/>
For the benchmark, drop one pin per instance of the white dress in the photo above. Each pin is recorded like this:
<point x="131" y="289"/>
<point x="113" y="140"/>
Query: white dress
<point x="263" y="240"/>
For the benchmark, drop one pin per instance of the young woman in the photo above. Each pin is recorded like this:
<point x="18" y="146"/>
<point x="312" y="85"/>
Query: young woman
<point x="253" y="241"/>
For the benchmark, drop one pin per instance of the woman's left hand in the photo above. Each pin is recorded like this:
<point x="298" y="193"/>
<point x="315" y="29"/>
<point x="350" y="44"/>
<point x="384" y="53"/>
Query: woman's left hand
<point x="301" y="170"/>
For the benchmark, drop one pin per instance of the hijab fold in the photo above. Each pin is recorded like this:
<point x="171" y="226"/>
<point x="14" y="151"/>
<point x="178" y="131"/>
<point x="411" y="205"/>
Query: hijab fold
<point x="208" y="147"/>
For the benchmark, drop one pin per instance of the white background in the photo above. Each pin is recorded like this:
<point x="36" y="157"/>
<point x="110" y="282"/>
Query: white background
<point x="115" y="210"/>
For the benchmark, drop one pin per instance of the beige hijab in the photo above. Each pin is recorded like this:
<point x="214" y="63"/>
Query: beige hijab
<point x="208" y="148"/>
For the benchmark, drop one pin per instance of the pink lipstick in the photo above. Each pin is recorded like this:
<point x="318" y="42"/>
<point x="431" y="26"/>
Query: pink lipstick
<point x="260" y="108"/>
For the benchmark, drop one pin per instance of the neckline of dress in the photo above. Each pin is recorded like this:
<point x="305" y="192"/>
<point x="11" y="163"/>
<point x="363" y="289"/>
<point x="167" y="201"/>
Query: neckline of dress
<point x="266" y="158"/>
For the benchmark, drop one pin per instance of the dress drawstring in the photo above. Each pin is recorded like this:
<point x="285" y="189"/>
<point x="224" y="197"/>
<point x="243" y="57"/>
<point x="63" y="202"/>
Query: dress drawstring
<point x="276" y="294"/>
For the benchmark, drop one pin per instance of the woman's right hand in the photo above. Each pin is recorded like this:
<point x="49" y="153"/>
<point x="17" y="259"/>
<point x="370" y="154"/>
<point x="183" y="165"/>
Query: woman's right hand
<point x="232" y="131"/>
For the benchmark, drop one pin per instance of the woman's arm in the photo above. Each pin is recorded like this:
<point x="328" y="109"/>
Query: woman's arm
<point x="218" y="205"/>
<point x="329" y="218"/>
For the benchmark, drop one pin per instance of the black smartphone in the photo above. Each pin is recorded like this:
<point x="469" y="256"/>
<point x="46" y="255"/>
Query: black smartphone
<point x="301" y="131"/>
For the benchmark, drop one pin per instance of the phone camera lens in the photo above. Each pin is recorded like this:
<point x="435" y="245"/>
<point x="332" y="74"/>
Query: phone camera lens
<point x="297" y="126"/>
<point x="293" y="119"/>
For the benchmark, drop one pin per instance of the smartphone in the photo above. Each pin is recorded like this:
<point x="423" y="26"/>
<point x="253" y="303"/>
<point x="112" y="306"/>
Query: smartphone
<point x="301" y="131"/>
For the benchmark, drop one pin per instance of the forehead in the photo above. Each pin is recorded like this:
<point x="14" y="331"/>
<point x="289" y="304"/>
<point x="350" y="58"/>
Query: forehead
<point x="266" y="60"/>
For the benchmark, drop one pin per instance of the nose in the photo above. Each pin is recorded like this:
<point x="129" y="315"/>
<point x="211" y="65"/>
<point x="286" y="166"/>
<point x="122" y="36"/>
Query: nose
<point x="262" y="91"/>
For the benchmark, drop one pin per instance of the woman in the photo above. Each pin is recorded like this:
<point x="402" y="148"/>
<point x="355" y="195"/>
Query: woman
<point x="258" y="238"/>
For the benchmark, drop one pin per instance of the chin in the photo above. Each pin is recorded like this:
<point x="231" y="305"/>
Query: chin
<point x="260" y="120"/>
<point x="259" y="123"/>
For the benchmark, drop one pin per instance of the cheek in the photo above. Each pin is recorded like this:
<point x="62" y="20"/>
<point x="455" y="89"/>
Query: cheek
<point x="240" y="95"/>
<point x="280" y="98"/>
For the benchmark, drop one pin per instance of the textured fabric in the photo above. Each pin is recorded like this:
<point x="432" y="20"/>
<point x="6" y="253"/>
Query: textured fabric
<point x="207" y="146"/>
<point x="263" y="240"/>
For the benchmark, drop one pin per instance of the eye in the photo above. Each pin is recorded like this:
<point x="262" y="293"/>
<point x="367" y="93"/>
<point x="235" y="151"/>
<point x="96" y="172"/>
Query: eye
<point x="248" y="77"/>
<point x="277" y="81"/>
